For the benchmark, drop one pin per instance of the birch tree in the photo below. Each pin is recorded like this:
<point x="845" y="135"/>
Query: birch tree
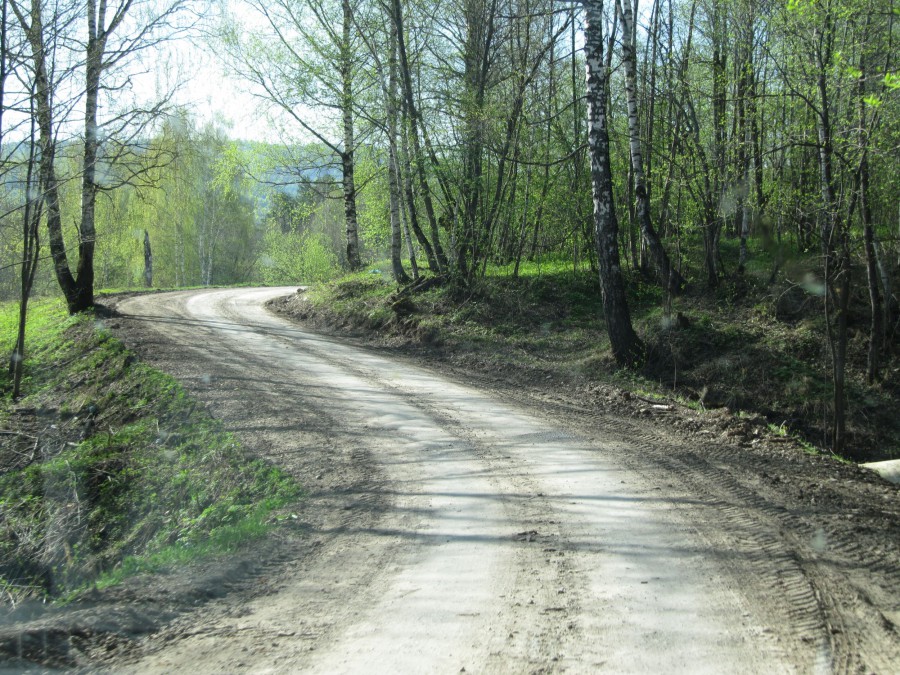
<point x="669" y="277"/>
<point x="115" y="33"/>
<point x="30" y="212"/>
<point x="42" y="33"/>
<point x="627" y="348"/>
<point x="306" y="62"/>
<point x="415" y="151"/>
<point x="388" y="83"/>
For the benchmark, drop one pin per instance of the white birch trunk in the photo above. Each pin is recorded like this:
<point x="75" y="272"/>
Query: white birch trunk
<point x="626" y="346"/>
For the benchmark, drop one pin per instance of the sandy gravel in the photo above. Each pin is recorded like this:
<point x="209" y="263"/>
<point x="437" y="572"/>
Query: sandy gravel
<point x="451" y="529"/>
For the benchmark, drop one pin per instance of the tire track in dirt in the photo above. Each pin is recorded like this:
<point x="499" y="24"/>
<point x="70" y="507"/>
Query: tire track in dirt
<point x="404" y="384"/>
<point x="596" y="558"/>
<point x="762" y="556"/>
<point x="824" y="610"/>
<point x="353" y="501"/>
<point x="828" y="607"/>
<point x="314" y="395"/>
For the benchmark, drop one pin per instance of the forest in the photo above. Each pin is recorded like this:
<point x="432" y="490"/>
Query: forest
<point x="692" y="145"/>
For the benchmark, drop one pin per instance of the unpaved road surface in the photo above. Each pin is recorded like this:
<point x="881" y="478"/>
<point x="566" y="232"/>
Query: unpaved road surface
<point x="450" y="529"/>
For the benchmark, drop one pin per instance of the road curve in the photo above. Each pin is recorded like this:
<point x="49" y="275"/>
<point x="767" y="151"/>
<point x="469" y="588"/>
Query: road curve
<point x="482" y="538"/>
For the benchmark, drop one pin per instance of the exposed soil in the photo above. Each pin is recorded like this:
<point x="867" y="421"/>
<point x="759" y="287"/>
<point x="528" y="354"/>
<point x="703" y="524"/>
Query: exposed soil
<point x="758" y="348"/>
<point x="459" y="518"/>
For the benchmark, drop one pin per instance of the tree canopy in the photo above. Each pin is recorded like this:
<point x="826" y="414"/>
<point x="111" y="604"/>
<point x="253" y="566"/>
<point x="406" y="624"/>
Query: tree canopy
<point x="710" y="138"/>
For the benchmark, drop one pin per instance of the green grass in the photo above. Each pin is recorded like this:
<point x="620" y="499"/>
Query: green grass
<point x="154" y="483"/>
<point x="220" y="540"/>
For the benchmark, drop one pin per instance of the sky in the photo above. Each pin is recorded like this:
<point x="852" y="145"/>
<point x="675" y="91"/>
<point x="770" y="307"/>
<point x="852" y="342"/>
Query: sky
<point x="201" y="81"/>
<point x="214" y="94"/>
<point x="205" y="86"/>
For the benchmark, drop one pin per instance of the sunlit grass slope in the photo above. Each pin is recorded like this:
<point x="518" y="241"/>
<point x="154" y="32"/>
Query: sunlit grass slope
<point x="108" y="467"/>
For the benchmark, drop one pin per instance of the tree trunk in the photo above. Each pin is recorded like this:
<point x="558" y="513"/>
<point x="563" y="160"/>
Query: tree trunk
<point x="410" y="247"/>
<point x="96" y="46"/>
<point x="148" y="261"/>
<point x="669" y="278"/>
<point x="347" y="164"/>
<point x="887" y="322"/>
<point x="400" y="275"/>
<point x="5" y="59"/>
<point x="744" y="139"/>
<point x="479" y="36"/>
<point x="31" y="221"/>
<point x="414" y="123"/>
<point x="626" y="346"/>
<point x="43" y="95"/>
<point x="876" y="331"/>
<point x="837" y="261"/>
<point x="715" y="195"/>
<point x="837" y="303"/>
<point x="433" y="263"/>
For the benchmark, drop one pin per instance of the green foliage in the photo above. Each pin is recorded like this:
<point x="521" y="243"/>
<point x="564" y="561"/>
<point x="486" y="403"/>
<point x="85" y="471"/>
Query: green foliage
<point x="374" y="205"/>
<point x="291" y="257"/>
<point x="196" y="205"/>
<point x="154" y="481"/>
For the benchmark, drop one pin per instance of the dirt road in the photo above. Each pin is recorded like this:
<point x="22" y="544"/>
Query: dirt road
<point x="449" y="530"/>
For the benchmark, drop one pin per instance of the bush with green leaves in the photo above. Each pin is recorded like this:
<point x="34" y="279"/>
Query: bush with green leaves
<point x="297" y="257"/>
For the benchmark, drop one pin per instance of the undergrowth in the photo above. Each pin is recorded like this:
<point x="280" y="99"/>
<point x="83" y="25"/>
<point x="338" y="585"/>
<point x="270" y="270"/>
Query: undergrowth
<point x="753" y="344"/>
<point x="108" y="467"/>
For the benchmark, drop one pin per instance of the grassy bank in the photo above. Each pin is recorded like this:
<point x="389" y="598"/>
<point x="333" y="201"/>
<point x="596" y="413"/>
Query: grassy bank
<point x="755" y="347"/>
<point x="107" y="467"/>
